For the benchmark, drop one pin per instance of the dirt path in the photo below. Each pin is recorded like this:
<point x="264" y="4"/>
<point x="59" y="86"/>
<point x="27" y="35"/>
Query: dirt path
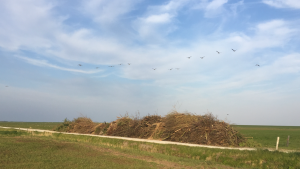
<point x="147" y="140"/>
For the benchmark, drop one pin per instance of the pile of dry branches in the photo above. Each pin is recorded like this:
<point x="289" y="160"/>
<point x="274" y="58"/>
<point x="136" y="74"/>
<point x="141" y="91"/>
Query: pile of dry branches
<point x="179" y="127"/>
<point x="206" y="129"/>
<point x="134" y="127"/>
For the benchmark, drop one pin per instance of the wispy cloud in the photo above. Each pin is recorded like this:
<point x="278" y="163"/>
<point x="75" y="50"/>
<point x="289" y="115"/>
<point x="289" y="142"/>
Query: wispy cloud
<point x="159" y="20"/>
<point x="44" y="63"/>
<point x="268" y="34"/>
<point x="214" y="8"/>
<point x="283" y="3"/>
<point x="108" y="11"/>
<point x="27" y="23"/>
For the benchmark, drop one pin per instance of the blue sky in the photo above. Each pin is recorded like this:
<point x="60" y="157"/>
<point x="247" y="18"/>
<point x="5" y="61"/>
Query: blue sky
<point x="42" y="42"/>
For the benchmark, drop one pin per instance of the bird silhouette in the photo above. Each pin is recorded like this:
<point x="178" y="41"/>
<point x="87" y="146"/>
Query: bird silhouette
<point x="189" y="57"/>
<point x="202" y="57"/>
<point x="233" y="50"/>
<point x="218" y="52"/>
<point x="110" y="66"/>
<point x="128" y="63"/>
<point x="171" y="69"/>
<point x="6" y="86"/>
<point x="154" y="68"/>
<point x="120" y="64"/>
<point x="257" y="65"/>
<point x="79" y="65"/>
<point x="97" y="67"/>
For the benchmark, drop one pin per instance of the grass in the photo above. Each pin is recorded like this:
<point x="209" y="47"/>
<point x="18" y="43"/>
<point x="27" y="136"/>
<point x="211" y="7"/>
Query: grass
<point x="34" y="125"/>
<point x="267" y="135"/>
<point x="35" y="150"/>
<point x="71" y="151"/>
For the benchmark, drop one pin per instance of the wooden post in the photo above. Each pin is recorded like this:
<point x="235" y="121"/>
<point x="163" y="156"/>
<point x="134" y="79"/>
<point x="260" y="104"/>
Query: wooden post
<point x="277" y="143"/>
<point x="288" y="140"/>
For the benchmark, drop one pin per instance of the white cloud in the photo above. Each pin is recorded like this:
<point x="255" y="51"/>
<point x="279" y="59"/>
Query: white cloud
<point x="283" y="3"/>
<point x="234" y="7"/>
<point x="215" y="8"/>
<point x="274" y="33"/>
<point x="159" y="21"/>
<point x="108" y="11"/>
<point x="26" y="24"/>
<point x="288" y="64"/>
<point x="44" y="63"/>
<point x="216" y="4"/>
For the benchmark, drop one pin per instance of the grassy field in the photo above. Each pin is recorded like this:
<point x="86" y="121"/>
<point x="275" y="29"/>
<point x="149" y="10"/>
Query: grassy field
<point x="267" y="135"/>
<point x="19" y="149"/>
<point x="34" y="125"/>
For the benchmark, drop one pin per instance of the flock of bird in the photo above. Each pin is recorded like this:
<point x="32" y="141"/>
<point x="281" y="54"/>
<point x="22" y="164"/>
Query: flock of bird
<point x="175" y="68"/>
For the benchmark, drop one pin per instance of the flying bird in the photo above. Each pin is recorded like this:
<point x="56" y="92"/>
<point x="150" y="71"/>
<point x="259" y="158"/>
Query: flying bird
<point x="171" y="69"/>
<point x="79" y="65"/>
<point x="189" y="57"/>
<point x="110" y="66"/>
<point x="97" y="67"/>
<point x="128" y="63"/>
<point x="233" y="50"/>
<point x="6" y="86"/>
<point x="202" y="57"/>
<point x="154" y="68"/>
<point x="257" y="65"/>
<point x="120" y="64"/>
<point x="218" y="52"/>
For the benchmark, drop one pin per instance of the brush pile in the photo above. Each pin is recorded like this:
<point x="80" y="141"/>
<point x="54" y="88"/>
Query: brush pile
<point x="81" y="125"/>
<point x="206" y="129"/>
<point x="135" y="127"/>
<point x="179" y="127"/>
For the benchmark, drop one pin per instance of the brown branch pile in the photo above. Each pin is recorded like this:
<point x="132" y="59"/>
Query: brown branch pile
<point x="134" y="127"/>
<point x="82" y="125"/>
<point x="179" y="127"/>
<point x="206" y="129"/>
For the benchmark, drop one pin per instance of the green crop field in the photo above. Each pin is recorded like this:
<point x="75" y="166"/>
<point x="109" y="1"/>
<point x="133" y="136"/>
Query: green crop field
<point x="267" y="135"/>
<point x="34" y="125"/>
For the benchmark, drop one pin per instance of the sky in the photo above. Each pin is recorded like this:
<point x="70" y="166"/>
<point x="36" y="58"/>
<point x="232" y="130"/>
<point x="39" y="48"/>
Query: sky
<point x="43" y="42"/>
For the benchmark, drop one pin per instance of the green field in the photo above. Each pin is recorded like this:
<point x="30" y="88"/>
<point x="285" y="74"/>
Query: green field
<point x="267" y="135"/>
<point x="34" y="125"/>
<point x="19" y="149"/>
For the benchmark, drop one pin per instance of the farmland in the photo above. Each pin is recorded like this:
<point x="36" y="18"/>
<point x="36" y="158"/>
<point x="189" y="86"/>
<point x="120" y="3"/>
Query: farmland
<point x="267" y="135"/>
<point x="34" y="125"/>
<point x="89" y="149"/>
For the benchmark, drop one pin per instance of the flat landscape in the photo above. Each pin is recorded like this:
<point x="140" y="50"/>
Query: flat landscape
<point x="267" y="135"/>
<point x="34" y="125"/>
<point x="20" y="149"/>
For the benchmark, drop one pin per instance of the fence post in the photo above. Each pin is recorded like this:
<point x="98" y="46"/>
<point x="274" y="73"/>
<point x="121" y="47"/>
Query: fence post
<point x="288" y="140"/>
<point x="277" y="143"/>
